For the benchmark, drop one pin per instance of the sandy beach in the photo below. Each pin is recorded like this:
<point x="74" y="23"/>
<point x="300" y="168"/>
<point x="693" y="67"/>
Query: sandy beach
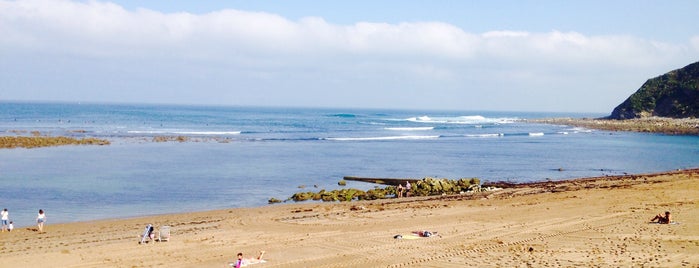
<point x="586" y="222"/>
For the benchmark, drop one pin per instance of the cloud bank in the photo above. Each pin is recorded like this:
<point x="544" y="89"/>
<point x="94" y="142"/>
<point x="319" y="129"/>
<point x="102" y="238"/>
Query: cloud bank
<point x="99" y="51"/>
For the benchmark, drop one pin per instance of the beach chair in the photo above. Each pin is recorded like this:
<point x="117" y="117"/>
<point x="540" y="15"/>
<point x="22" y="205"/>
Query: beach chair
<point x="164" y="233"/>
<point x="147" y="234"/>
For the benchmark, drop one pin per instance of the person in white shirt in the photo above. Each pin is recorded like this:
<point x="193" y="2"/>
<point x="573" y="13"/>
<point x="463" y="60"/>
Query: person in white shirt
<point x="5" y="218"/>
<point x="40" y="219"/>
<point x="407" y="189"/>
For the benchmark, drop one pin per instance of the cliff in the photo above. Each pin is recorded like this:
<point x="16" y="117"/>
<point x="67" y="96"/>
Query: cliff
<point x="674" y="94"/>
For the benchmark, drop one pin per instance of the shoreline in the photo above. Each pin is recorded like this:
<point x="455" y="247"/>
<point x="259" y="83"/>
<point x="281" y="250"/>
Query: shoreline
<point x="580" y="222"/>
<point x="662" y="125"/>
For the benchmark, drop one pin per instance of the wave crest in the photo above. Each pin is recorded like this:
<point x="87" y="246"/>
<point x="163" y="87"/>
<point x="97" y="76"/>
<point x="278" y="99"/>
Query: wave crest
<point x="195" y="133"/>
<point x="466" y="120"/>
<point x="409" y="128"/>
<point x="384" y="138"/>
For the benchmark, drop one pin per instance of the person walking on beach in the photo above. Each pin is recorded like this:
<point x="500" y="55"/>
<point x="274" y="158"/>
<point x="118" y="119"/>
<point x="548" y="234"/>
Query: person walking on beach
<point x="407" y="189"/>
<point x="11" y="226"/>
<point x="40" y="220"/>
<point x="399" y="190"/>
<point x="5" y="218"/>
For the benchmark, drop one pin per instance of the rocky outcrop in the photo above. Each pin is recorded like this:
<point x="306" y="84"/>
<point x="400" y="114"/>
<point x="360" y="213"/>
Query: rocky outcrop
<point x="674" y="94"/>
<point x="425" y="187"/>
<point x="671" y="126"/>
<point x="435" y="186"/>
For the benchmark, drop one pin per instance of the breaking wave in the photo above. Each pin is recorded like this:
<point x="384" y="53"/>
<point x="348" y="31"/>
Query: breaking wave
<point x="383" y="138"/>
<point x="409" y="128"/>
<point x="466" y="120"/>
<point x="194" y="133"/>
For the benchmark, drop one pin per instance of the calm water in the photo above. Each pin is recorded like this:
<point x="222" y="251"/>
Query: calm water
<point x="243" y="156"/>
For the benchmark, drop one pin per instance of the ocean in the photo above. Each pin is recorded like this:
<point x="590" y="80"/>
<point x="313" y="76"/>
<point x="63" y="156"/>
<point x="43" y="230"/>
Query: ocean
<point x="242" y="156"/>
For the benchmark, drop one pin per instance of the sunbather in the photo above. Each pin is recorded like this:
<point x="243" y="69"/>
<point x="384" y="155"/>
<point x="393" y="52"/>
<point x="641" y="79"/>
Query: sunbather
<point x="147" y="234"/>
<point x="424" y="233"/>
<point x="241" y="262"/>
<point x="663" y="219"/>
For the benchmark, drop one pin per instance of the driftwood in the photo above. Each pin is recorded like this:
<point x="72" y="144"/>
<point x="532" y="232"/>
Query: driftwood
<point x="383" y="181"/>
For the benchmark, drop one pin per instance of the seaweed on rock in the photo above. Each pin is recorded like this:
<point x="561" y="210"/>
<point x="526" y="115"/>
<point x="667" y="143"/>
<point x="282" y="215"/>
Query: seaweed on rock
<point x="425" y="187"/>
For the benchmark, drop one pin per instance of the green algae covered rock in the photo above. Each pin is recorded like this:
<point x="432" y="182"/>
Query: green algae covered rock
<point x="425" y="187"/>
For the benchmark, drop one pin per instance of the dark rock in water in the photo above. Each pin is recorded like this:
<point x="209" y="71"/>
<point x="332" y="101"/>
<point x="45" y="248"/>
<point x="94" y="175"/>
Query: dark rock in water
<point x="674" y="94"/>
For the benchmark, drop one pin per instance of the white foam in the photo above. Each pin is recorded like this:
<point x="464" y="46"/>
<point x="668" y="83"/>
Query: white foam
<point x="162" y="132"/>
<point x="484" y="135"/>
<point x="536" y="134"/>
<point x="409" y="128"/>
<point x="145" y="132"/>
<point x="208" y="132"/>
<point x="384" y="138"/>
<point x="466" y="120"/>
<point x="580" y="130"/>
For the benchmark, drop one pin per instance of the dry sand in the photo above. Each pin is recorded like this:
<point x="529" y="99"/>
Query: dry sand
<point x="600" y="222"/>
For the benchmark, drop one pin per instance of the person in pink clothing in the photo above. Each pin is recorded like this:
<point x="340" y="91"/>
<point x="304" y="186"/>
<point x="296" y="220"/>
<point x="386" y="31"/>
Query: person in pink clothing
<point x="242" y="262"/>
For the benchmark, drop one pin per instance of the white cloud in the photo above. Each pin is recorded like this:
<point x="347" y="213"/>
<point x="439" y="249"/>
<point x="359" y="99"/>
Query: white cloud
<point x="109" y="30"/>
<point x="501" y="34"/>
<point x="695" y="42"/>
<point x="263" y="44"/>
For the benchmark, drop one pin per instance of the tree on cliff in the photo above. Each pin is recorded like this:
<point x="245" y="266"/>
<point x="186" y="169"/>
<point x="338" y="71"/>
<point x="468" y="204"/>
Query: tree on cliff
<point x="674" y="94"/>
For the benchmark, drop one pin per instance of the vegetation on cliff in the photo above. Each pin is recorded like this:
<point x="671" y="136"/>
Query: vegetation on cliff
<point x="674" y="94"/>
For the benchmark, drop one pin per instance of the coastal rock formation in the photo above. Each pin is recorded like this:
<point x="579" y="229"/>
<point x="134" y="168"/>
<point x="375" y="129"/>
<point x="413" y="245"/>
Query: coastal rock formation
<point x="10" y="142"/>
<point x="435" y="186"/>
<point x="425" y="187"/>
<point x="674" y="94"/>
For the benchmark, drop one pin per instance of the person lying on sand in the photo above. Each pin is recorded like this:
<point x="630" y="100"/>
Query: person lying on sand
<point x="242" y="262"/>
<point x="424" y="233"/>
<point x="663" y="219"/>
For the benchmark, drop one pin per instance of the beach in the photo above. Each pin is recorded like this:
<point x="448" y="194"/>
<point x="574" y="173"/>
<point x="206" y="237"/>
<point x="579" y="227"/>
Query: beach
<point x="589" y="222"/>
<point x="191" y="133"/>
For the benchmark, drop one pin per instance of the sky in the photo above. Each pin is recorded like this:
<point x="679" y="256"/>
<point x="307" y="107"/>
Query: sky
<point x="547" y="56"/>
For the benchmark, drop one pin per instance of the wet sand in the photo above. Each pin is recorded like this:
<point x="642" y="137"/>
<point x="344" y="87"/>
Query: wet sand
<point x="586" y="222"/>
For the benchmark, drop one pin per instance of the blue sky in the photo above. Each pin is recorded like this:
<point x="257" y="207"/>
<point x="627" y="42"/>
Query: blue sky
<point x="568" y="56"/>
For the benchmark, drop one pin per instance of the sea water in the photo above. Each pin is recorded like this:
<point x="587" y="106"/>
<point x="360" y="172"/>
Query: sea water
<point x="242" y="156"/>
